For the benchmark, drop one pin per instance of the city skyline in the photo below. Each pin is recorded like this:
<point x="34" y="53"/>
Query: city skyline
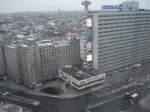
<point x="7" y="6"/>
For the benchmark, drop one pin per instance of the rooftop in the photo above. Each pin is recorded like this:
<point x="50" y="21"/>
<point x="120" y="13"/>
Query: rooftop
<point x="55" y="42"/>
<point x="79" y="72"/>
<point x="11" y="46"/>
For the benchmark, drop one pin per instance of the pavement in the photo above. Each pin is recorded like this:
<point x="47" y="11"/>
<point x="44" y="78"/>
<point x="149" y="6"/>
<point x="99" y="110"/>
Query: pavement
<point x="117" y="103"/>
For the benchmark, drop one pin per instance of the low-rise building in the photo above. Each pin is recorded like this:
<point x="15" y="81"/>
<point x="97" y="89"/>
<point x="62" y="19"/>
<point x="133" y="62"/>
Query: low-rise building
<point x="80" y="78"/>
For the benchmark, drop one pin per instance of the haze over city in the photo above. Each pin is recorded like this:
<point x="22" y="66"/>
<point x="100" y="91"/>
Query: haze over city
<point x="50" y="5"/>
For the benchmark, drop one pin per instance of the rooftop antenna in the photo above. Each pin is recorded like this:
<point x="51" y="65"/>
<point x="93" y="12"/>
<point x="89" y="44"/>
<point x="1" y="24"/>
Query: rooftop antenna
<point x="86" y="4"/>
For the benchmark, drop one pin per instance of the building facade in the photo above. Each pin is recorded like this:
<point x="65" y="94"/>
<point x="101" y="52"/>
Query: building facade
<point x="32" y="62"/>
<point x="120" y="38"/>
<point x="2" y="61"/>
<point x="29" y="64"/>
<point x="80" y="78"/>
<point x="12" y="62"/>
<point x="47" y="59"/>
<point x="2" y="64"/>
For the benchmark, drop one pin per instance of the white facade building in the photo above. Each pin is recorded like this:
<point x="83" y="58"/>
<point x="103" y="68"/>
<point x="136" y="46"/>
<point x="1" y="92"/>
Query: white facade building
<point x="80" y="78"/>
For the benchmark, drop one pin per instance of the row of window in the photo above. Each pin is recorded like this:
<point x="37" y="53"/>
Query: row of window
<point x="123" y="26"/>
<point x="121" y="40"/>
<point x="125" y="29"/>
<point x="115" y="65"/>
<point x="124" y="18"/>
<point x="119" y="46"/>
<point x="127" y="50"/>
<point x="126" y="14"/>
<point x="88" y="83"/>
<point x="123" y="32"/>
<point x="123" y="37"/>
<point x="102" y="24"/>
<point x="123" y="56"/>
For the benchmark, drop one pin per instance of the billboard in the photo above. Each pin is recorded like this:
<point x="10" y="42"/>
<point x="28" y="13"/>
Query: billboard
<point x="89" y="57"/>
<point x="89" y="46"/>
<point x="88" y="22"/>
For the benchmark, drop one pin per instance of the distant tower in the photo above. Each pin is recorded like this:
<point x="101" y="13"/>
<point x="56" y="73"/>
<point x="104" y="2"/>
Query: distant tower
<point x="86" y="5"/>
<point x="59" y="11"/>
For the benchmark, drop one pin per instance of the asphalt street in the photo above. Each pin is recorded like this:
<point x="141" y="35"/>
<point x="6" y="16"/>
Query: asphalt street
<point x="117" y="103"/>
<point x="49" y="104"/>
<point x="78" y="104"/>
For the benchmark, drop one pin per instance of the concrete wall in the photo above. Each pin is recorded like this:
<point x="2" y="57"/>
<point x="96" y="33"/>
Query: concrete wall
<point x="95" y="41"/>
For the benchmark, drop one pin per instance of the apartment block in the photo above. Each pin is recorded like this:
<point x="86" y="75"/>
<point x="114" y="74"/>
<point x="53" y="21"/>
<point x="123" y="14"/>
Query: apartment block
<point x="12" y="62"/>
<point x="2" y="62"/>
<point x="37" y="61"/>
<point x="29" y="62"/>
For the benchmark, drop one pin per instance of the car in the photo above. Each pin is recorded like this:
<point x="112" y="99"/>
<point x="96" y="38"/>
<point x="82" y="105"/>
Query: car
<point x="7" y="93"/>
<point x="140" y="84"/>
<point x="130" y="80"/>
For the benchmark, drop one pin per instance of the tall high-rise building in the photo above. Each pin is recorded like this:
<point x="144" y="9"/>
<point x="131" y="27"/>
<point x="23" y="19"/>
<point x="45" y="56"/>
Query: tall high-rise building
<point x="36" y="61"/>
<point x="2" y="65"/>
<point x="47" y="59"/>
<point x="2" y="62"/>
<point x="23" y="63"/>
<point x="120" y="37"/>
<point x="12" y="62"/>
<point x="29" y="62"/>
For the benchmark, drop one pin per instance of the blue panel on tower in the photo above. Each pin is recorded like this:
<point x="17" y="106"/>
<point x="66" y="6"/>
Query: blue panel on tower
<point x="88" y="34"/>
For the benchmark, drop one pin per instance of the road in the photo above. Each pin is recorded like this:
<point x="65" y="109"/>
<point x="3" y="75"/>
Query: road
<point x="49" y="104"/>
<point x="116" y="103"/>
<point x="77" y="104"/>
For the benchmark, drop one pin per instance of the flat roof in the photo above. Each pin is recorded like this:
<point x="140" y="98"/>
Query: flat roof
<point x="79" y="72"/>
<point x="11" y="46"/>
<point x="123" y="12"/>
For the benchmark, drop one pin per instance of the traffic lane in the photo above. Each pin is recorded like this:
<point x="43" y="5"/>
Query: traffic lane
<point x="119" y="104"/>
<point x="104" y="98"/>
<point x="135" y="87"/>
<point x="50" y="104"/>
<point x="108" y="107"/>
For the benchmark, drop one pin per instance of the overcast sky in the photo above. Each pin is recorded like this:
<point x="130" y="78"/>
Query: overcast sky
<point x="53" y="5"/>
